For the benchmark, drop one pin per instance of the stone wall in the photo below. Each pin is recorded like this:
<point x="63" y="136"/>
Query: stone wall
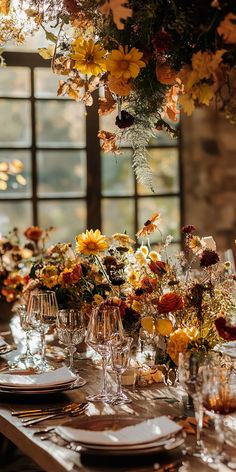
<point x="209" y="176"/>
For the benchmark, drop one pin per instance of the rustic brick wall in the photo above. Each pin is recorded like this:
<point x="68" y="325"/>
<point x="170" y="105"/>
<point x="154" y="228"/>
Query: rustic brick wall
<point x="209" y="175"/>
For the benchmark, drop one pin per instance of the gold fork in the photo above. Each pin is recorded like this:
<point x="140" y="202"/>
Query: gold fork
<point x="43" y="411"/>
<point x="70" y="412"/>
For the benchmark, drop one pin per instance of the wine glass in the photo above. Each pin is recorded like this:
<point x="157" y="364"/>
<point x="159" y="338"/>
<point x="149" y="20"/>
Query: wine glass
<point x="191" y="365"/>
<point x="71" y="330"/>
<point x="104" y="329"/>
<point x="41" y="312"/>
<point x="219" y="399"/>
<point x="26" y="358"/>
<point x="189" y="368"/>
<point x="120" y="353"/>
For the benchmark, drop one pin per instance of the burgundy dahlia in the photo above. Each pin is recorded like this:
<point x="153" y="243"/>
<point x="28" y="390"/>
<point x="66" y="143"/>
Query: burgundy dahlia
<point x="209" y="258"/>
<point x="225" y="331"/>
<point x="188" y="229"/>
<point x="71" y="6"/>
<point x="125" y="121"/>
<point x="162" y="42"/>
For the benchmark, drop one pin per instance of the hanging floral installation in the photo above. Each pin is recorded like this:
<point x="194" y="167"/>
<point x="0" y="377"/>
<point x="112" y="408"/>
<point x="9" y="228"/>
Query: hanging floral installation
<point x="148" y="59"/>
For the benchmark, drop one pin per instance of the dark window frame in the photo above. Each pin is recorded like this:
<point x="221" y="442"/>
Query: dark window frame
<point x="93" y="196"/>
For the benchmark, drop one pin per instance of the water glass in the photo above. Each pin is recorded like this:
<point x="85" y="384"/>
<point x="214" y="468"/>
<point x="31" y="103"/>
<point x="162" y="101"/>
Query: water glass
<point x="189" y="368"/>
<point x="41" y="313"/>
<point x="219" y="399"/>
<point x="71" y="331"/>
<point x="104" y="329"/>
<point x="120" y="355"/>
<point x="26" y="358"/>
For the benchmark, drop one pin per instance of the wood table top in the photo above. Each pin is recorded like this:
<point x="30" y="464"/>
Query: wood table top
<point x="54" y="458"/>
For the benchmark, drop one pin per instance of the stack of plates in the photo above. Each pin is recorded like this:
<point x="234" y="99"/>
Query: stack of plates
<point x="47" y="382"/>
<point x="122" y="435"/>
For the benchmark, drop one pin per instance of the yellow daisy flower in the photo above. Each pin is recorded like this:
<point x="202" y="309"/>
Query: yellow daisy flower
<point x="137" y="306"/>
<point x="133" y="278"/>
<point x="88" y="57"/>
<point x="195" y="243"/>
<point x="144" y="250"/>
<point x="155" y="256"/>
<point x="140" y="257"/>
<point x="97" y="299"/>
<point x="125" y="64"/>
<point x="48" y="276"/>
<point x="91" y="242"/>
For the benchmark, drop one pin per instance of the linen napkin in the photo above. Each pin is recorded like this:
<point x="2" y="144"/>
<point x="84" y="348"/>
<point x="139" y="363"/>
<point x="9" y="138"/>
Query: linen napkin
<point x="145" y="432"/>
<point x="56" y="377"/>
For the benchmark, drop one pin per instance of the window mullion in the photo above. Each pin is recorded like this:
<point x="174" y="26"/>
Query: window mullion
<point x="33" y="151"/>
<point x="94" y="185"/>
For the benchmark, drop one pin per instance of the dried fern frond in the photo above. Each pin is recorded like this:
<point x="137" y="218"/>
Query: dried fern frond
<point x="142" y="168"/>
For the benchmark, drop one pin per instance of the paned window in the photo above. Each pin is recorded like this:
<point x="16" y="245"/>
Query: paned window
<point x="70" y="183"/>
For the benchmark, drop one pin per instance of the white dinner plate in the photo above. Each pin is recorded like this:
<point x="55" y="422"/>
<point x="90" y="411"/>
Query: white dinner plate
<point x="31" y="388"/>
<point x="165" y="442"/>
<point x="39" y="381"/>
<point x="119" y="433"/>
<point x="64" y="388"/>
<point x="178" y="442"/>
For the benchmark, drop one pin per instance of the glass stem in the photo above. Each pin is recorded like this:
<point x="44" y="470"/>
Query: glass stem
<point x="27" y="338"/>
<point x="199" y="424"/>
<point x="199" y="414"/>
<point x="119" y="387"/>
<point x="104" y="373"/>
<point x="219" y="428"/>
<point x="71" y="354"/>
<point x="43" y="347"/>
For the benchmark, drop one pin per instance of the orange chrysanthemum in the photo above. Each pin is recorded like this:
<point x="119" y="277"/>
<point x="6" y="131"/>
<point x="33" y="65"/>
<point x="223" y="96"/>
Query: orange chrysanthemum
<point x="34" y="233"/>
<point x="91" y="242"/>
<point x="119" y="86"/>
<point x="170" y="302"/>
<point x="149" y="226"/>
<point x="179" y="341"/>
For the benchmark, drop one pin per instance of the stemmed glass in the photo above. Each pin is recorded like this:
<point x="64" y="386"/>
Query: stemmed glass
<point x="41" y="312"/>
<point x="104" y="329"/>
<point x="71" y="331"/>
<point x="189" y="368"/>
<point x="120" y="353"/>
<point x="219" y="399"/>
<point x="26" y="357"/>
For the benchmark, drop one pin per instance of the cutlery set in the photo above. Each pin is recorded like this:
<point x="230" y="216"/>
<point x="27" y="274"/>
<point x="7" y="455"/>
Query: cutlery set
<point x="31" y="417"/>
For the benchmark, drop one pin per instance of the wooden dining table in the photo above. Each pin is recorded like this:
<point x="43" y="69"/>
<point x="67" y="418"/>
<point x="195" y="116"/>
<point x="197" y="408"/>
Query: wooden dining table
<point x="146" y="403"/>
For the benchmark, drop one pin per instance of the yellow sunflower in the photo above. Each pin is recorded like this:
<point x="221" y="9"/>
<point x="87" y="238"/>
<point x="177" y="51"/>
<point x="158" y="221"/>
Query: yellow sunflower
<point x="124" y="64"/>
<point x="88" y="57"/>
<point x="91" y="242"/>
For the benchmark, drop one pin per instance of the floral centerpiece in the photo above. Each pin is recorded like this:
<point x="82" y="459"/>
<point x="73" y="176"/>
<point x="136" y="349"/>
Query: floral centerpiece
<point x="181" y="299"/>
<point x="87" y="276"/>
<point x="148" y="58"/>
<point x="16" y="259"/>
<point x="176" y="300"/>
